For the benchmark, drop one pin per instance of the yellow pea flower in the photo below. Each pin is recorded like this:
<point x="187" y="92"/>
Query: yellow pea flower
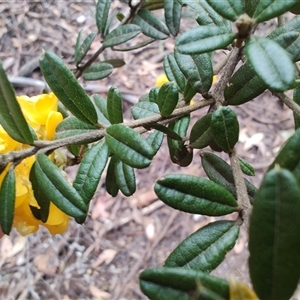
<point x="41" y="114"/>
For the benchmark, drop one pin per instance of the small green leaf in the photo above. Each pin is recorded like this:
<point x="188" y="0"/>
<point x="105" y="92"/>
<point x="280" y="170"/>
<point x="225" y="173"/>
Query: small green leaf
<point x="268" y="9"/>
<point x="179" y="284"/>
<point x="114" y="106"/>
<point x="56" y="188"/>
<point x="125" y="178"/>
<point x="101" y="107"/>
<point x="115" y="62"/>
<point x="151" y="25"/>
<point x="97" y="71"/>
<point x="152" y="96"/>
<point x="102" y="11"/>
<point x="225" y="128"/>
<point x="246" y="167"/>
<point x="167" y="98"/>
<point x="155" y="140"/>
<point x="172" y="11"/>
<point x="204" y="39"/>
<point x="201" y="134"/>
<point x="121" y="34"/>
<point x="274" y="236"/>
<point x="229" y="9"/>
<point x="129" y="146"/>
<point x="7" y="201"/>
<point x="77" y="46"/>
<point x="65" y="86"/>
<point x="206" y="248"/>
<point x="11" y="117"/>
<point x="296" y="99"/>
<point x="195" y="195"/>
<point x="71" y="126"/>
<point x="90" y="171"/>
<point x="82" y="49"/>
<point x="220" y="172"/>
<point x="263" y="53"/>
<point x="144" y="109"/>
<point x="111" y="180"/>
<point x="197" y="69"/>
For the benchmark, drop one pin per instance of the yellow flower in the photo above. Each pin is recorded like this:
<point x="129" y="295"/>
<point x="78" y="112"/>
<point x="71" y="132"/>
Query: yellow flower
<point x="41" y="114"/>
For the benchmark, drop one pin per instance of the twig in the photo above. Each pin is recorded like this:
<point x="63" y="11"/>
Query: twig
<point x="289" y="102"/>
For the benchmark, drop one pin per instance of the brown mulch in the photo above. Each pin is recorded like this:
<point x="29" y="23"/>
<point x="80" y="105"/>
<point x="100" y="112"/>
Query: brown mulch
<point x="102" y="258"/>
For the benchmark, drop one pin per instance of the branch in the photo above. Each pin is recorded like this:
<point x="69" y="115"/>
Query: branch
<point x="289" y="102"/>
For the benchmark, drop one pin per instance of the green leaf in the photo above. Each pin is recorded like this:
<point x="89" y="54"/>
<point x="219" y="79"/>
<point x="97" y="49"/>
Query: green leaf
<point x="204" y="39"/>
<point x="77" y="46"/>
<point x="152" y="96"/>
<point x="250" y="6"/>
<point x="98" y="71"/>
<point x="296" y="99"/>
<point x="201" y="134"/>
<point x="125" y="178"/>
<point x="115" y="62"/>
<point x="111" y="180"/>
<point x="179" y="284"/>
<point x="229" y="9"/>
<point x="43" y="201"/>
<point x="7" y="201"/>
<point x="220" y="172"/>
<point x="129" y="146"/>
<point x="102" y="11"/>
<point x="121" y="34"/>
<point x="57" y="189"/>
<point x="263" y="53"/>
<point x="155" y="140"/>
<point x="65" y="86"/>
<point x="195" y="195"/>
<point x="144" y="109"/>
<point x="151" y="25"/>
<point x="172" y="11"/>
<point x="274" y="236"/>
<point x="101" y="107"/>
<point x="197" y="69"/>
<point x="188" y="92"/>
<point x="82" y="49"/>
<point x="11" y="117"/>
<point x="206" y="248"/>
<point x="90" y="171"/>
<point x="179" y="153"/>
<point x="225" y="128"/>
<point x="268" y="9"/>
<point x="167" y="98"/>
<point x="246" y="167"/>
<point x="173" y="71"/>
<point x="114" y="106"/>
<point x="71" y="126"/>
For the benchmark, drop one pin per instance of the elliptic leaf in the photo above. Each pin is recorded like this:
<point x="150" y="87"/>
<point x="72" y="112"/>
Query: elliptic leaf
<point x="274" y="236"/>
<point x="129" y="146"/>
<point x="204" y="39"/>
<point x="11" y="117"/>
<point x="90" y="171"/>
<point x="102" y="10"/>
<point x="65" y="86"/>
<point x="7" y="201"/>
<point x="206" y="248"/>
<point x="229" y="9"/>
<point x="97" y="71"/>
<point x="125" y="178"/>
<point x="195" y="195"/>
<point x="263" y="53"/>
<point x="173" y="15"/>
<point x="121" y="34"/>
<point x="144" y="109"/>
<point x="114" y="106"/>
<point x="82" y="49"/>
<point x="246" y="167"/>
<point x="167" y="98"/>
<point x="179" y="284"/>
<point x="151" y="25"/>
<point x="225" y="128"/>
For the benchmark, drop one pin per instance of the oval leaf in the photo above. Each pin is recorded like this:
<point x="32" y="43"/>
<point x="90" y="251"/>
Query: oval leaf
<point x="173" y="15"/>
<point x="7" y="201"/>
<point x="125" y="178"/>
<point x="121" y="34"/>
<point x="11" y="117"/>
<point x="129" y="146"/>
<point x="274" y="236"/>
<point x="90" y="171"/>
<point x="167" y="98"/>
<point x="225" y="128"/>
<point x="195" y="195"/>
<point x="204" y="39"/>
<point x="114" y="106"/>
<point x="65" y="86"/>
<point x="206" y="248"/>
<point x="97" y="71"/>
<point x="102" y="10"/>
<point x="229" y="9"/>
<point x="263" y="53"/>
